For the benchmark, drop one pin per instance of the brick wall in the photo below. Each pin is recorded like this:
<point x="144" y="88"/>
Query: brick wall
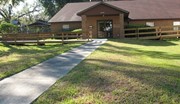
<point x="118" y="24"/>
<point x="156" y="22"/>
<point x="57" y="27"/>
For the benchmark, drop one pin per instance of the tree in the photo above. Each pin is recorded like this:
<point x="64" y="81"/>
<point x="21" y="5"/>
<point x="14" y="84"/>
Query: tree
<point x="12" y="2"/>
<point x="7" y="8"/>
<point x="53" y="6"/>
<point x="31" y="13"/>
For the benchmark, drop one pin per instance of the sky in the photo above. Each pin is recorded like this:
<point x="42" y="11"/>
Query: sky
<point x="20" y="7"/>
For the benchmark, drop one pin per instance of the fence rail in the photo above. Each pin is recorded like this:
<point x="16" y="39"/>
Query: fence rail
<point x="153" y="32"/>
<point x="41" y="38"/>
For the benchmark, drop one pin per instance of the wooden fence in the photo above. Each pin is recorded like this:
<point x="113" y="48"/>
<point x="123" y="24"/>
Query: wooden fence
<point x="153" y="32"/>
<point x="41" y="38"/>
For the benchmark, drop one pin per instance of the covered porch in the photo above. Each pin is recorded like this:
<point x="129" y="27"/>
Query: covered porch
<point x="103" y="21"/>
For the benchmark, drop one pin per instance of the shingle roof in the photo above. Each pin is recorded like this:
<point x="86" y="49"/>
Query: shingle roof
<point x="69" y="12"/>
<point x="40" y="23"/>
<point x="138" y="9"/>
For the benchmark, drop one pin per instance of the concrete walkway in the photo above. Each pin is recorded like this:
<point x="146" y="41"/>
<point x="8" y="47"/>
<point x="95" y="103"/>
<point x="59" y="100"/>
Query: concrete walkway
<point x="26" y="86"/>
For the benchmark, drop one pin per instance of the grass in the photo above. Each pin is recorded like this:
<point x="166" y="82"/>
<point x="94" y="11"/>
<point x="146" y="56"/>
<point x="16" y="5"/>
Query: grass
<point x="122" y="72"/>
<point x="14" y="59"/>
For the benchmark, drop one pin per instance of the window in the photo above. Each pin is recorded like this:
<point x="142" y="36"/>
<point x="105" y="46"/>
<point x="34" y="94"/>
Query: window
<point x="151" y="24"/>
<point x="65" y="27"/>
<point x="176" y="23"/>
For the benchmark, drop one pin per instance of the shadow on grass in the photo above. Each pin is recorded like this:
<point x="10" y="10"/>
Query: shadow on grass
<point x="96" y="74"/>
<point x="28" y="49"/>
<point x="106" y="77"/>
<point x="146" y="42"/>
<point x="156" y="76"/>
<point x="34" y="49"/>
<point x="131" y="83"/>
<point x="22" y="57"/>
<point x="128" y="51"/>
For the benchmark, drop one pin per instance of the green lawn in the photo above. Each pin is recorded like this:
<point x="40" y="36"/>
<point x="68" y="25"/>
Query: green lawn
<point x="122" y="72"/>
<point x="14" y="59"/>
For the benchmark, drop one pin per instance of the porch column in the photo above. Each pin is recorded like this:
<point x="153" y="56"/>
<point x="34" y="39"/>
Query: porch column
<point x="84" y="26"/>
<point x="121" y="18"/>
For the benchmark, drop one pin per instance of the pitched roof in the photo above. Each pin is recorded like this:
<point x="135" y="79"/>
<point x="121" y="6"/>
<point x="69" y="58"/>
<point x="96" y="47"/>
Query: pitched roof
<point x="102" y="3"/>
<point x="138" y="9"/>
<point x="40" y="23"/>
<point x="69" y="12"/>
<point x="150" y="9"/>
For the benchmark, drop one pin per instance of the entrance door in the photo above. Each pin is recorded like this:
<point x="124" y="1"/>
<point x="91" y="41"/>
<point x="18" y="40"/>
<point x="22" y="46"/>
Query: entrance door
<point x="105" y="28"/>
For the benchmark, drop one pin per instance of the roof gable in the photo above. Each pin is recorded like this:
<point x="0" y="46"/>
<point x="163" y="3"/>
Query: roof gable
<point x="102" y="8"/>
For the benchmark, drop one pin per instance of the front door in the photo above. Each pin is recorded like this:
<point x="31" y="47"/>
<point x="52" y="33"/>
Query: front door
<point x="105" y="28"/>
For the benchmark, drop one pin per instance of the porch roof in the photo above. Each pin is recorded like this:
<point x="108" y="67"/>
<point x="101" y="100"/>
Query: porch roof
<point x="105" y="4"/>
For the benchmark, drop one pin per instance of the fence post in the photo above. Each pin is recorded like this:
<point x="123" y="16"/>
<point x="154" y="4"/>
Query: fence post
<point x="137" y="31"/>
<point x="157" y="31"/>
<point x="15" y="39"/>
<point x="160" y="31"/>
<point x="88" y="37"/>
<point x="77" y="36"/>
<point x="177" y="30"/>
<point x="38" y="39"/>
<point x="62" y="38"/>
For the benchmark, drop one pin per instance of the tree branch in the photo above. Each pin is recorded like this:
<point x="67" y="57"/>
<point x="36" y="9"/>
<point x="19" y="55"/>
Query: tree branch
<point x="29" y="12"/>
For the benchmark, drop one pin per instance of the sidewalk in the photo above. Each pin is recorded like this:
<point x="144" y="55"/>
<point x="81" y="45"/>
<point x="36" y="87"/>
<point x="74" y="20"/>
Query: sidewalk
<point x="26" y="86"/>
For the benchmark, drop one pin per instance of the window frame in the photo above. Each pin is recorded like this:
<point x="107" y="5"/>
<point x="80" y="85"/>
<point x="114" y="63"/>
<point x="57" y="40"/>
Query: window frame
<point x="65" y="27"/>
<point x="177" y="24"/>
<point x="151" y="24"/>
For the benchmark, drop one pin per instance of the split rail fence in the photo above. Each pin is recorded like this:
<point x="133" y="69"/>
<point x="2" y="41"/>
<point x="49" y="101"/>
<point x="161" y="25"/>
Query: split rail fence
<point x="160" y="32"/>
<point x="42" y="38"/>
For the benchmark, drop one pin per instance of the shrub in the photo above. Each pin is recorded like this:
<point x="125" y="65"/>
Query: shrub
<point x="77" y="30"/>
<point x="129" y="26"/>
<point x="135" y="26"/>
<point x="8" y="28"/>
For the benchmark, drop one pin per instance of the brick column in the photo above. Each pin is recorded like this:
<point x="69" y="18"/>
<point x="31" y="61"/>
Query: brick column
<point x="121" y="18"/>
<point x="84" y="26"/>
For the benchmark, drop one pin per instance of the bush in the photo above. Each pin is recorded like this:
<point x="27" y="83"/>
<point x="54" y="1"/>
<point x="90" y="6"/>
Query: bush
<point x="129" y="26"/>
<point x="135" y="26"/>
<point x="77" y="30"/>
<point x="8" y="28"/>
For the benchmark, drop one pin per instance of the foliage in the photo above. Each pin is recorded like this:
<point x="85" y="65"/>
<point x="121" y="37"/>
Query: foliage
<point x="8" y="10"/>
<point x="122" y="72"/>
<point x="12" y="2"/>
<point x="53" y="6"/>
<point x="31" y="13"/>
<point x="129" y="26"/>
<point x="77" y="30"/>
<point x="8" y="28"/>
<point x="135" y="26"/>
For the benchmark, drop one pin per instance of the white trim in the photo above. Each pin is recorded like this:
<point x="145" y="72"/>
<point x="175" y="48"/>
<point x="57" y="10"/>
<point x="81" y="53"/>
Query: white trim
<point x="151" y="24"/>
<point x="176" y="23"/>
<point x="65" y="27"/>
